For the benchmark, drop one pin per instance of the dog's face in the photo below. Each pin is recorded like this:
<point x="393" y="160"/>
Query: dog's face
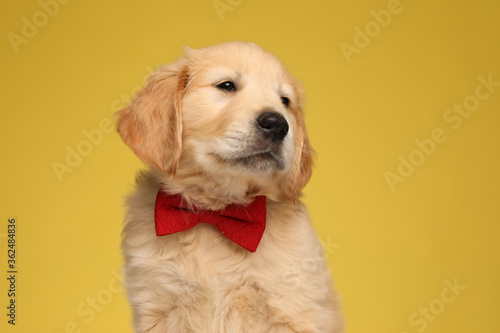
<point x="225" y="113"/>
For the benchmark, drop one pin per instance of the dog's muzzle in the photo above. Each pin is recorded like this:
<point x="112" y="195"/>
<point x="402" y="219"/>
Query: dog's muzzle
<point x="263" y="149"/>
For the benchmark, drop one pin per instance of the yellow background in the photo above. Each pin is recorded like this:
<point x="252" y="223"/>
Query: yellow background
<point x="390" y="252"/>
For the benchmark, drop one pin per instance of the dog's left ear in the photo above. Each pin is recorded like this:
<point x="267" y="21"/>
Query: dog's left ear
<point x="301" y="170"/>
<point x="152" y="125"/>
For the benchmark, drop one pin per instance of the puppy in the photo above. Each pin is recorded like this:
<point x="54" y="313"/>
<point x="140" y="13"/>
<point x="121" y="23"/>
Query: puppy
<point x="222" y="129"/>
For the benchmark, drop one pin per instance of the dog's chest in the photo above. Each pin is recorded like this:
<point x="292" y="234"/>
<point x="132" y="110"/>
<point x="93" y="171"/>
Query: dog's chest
<point x="237" y="287"/>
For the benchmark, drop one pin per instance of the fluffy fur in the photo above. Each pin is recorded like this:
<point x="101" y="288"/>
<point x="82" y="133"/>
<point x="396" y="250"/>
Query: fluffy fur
<point x="202" y="141"/>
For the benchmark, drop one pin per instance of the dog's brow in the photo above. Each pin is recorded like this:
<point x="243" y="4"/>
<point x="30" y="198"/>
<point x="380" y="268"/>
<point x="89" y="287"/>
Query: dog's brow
<point x="221" y="74"/>
<point x="286" y="90"/>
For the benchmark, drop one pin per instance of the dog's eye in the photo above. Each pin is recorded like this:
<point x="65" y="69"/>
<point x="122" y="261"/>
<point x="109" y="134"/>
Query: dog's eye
<point x="285" y="101"/>
<point x="226" y="85"/>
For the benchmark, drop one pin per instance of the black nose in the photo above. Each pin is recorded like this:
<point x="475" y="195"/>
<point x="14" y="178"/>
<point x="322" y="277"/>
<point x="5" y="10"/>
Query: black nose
<point x="273" y="125"/>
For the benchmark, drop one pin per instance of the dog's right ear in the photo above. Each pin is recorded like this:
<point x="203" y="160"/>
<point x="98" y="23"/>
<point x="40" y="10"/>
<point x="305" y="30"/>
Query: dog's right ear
<point x="152" y="125"/>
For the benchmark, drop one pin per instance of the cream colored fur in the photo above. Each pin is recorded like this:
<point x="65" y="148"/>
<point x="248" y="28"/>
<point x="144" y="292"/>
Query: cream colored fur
<point x="191" y="133"/>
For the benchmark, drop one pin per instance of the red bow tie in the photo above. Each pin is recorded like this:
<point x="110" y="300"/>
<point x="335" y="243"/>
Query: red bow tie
<point x="243" y="224"/>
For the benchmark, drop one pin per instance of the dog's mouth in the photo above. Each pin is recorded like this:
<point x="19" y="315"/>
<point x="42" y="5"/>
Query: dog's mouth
<point x="262" y="160"/>
<point x="256" y="161"/>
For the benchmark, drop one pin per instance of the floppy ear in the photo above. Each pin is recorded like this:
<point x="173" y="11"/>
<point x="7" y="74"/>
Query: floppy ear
<point x="301" y="169"/>
<point x="152" y="125"/>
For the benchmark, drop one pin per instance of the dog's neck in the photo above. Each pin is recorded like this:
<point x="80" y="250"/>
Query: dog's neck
<point x="213" y="192"/>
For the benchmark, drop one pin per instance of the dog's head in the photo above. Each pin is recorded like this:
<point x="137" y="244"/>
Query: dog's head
<point x="225" y="120"/>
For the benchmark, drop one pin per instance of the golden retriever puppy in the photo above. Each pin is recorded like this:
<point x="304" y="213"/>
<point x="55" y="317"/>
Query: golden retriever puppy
<point x="222" y="130"/>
